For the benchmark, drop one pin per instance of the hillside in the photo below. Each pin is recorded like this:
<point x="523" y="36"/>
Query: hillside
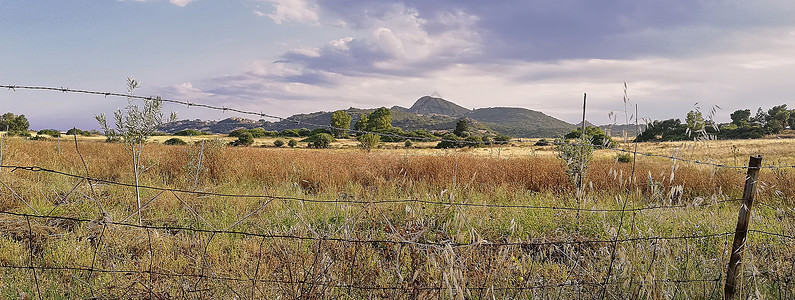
<point x="520" y="122"/>
<point x="428" y="105"/>
<point x="427" y="113"/>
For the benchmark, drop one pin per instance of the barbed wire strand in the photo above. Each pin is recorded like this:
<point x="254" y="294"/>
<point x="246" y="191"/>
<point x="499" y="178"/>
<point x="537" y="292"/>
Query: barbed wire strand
<point x="381" y="241"/>
<point x="343" y="286"/>
<point x="342" y="201"/>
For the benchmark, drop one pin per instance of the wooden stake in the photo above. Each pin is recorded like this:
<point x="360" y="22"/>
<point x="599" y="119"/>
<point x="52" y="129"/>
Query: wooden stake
<point x="741" y="232"/>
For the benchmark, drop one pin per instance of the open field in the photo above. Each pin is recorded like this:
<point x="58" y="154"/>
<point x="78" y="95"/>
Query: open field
<point x="264" y="222"/>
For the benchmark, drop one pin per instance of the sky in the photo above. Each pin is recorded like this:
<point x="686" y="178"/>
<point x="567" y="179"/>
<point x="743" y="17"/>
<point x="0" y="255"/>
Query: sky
<point x="283" y="57"/>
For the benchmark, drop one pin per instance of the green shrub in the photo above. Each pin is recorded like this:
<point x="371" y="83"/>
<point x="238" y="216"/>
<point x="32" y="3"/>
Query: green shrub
<point x="543" y="142"/>
<point x="408" y="143"/>
<point x="501" y="139"/>
<point x="174" y="141"/>
<point x="393" y="134"/>
<point x="245" y="139"/>
<point x="575" y="158"/>
<point x="189" y="132"/>
<point x="278" y="143"/>
<point x="292" y="143"/>
<point x="624" y="158"/>
<point x="289" y="133"/>
<point x="450" y="141"/>
<point x="474" y="141"/>
<point x="304" y="132"/>
<point x="75" y="131"/>
<point x="320" y="141"/>
<point x="237" y="132"/>
<point x="594" y="134"/>
<point x="50" y="132"/>
<point x="320" y="130"/>
<point x="368" y="141"/>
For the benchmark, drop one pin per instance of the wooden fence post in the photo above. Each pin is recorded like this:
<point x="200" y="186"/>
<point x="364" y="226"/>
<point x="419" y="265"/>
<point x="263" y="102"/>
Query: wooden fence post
<point x="741" y="232"/>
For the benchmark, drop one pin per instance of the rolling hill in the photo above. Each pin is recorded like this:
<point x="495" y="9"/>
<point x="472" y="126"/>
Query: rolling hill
<point x="429" y="113"/>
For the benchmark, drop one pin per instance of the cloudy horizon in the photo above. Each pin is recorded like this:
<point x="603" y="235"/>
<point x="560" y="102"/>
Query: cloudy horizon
<point x="284" y="57"/>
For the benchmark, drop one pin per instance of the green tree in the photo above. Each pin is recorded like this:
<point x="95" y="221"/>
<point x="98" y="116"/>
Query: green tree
<point x="791" y="120"/>
<point x="340" y="123"/>
<point x="695" y="120"/>
<point x="461" y="127"/>
<point x="134" y="126"/>
<point x="380" y="120"/>
<point x="368" y="141"/>
<point x="741" y="117"/>
<point x="15" y="125"/>
<point x="361" y="124"/>
<point x="292" y="143"/>
<point x="6" y="120"/>
<point x="667" y="130"/>
<point x="760" y="117"/>
<point x="777" y="118"/>
<point x="278" y="143"/>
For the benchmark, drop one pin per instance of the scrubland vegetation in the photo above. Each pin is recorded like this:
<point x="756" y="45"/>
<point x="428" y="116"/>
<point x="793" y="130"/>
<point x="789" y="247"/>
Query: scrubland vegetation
<point x="403" y="223"/>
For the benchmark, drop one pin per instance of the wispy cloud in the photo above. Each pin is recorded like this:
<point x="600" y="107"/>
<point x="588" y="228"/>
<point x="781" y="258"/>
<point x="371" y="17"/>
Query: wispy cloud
<point x="180" y="3"/>
<point x="301" y="11"/>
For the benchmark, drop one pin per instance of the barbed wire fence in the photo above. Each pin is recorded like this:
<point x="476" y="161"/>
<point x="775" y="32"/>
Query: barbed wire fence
<point x="316" y="277"/>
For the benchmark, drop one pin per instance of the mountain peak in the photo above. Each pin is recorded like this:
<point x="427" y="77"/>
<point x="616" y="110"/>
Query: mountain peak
<point x="429" y="105"/>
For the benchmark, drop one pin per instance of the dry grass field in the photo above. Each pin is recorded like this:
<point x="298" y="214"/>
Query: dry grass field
<point x="500" y="222"/>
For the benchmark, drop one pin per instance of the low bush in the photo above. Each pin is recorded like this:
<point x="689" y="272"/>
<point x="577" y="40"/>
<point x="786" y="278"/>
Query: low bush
<point x="50" y="132"/>
<point x="369" y="141"/>
<point x="189" y="132"/>
<point x="320" y="141"/>
<point x="624" y="158"/>
<point x="174" y="141"/>
<point x="75" y="131"/>
<point x="244" y="139"/>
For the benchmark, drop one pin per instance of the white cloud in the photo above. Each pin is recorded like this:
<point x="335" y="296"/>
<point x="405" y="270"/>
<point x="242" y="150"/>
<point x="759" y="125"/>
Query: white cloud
<point x="401" y="32"/>
<point x="400" y="54"/>
<point x="300" y="11"/>
<point x="340" y="44"/>
<point x="185" y="91"/>
<point x="180" y="3"/>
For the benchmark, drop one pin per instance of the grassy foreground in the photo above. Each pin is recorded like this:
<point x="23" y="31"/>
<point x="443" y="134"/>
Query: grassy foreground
<point x="392" y="223"/>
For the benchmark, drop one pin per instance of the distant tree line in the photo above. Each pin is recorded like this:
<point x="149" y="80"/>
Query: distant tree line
<point x="742" y="126"/>
<point x="370" y="130"/>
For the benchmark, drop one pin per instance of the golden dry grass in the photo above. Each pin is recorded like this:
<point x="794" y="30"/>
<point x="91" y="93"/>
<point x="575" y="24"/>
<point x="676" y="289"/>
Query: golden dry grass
<point x="322" y="267"/>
